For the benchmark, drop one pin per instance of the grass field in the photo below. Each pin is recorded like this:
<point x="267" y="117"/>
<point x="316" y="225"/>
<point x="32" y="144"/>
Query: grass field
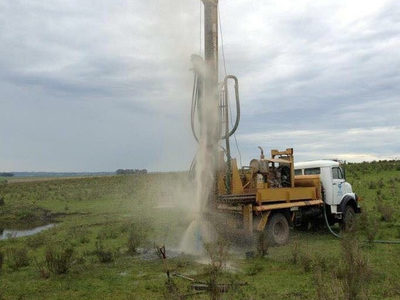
<point x="106" y="229"/>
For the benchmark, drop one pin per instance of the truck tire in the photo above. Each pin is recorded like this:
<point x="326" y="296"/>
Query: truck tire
<point x="349" y="215"/>
<point x="277" y="230"/>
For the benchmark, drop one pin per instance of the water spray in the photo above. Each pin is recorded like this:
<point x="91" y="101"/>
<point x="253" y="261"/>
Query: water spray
<point x="210" y="116"/>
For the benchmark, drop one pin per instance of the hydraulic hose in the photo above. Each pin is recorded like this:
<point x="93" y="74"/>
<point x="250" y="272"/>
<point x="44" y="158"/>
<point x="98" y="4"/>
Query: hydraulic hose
<point x="194" y="104"/>
<point x="327" y="223"/>
<point x="226" y="98"/>
<point x="198" y="65"/>
<point x="196" y="100"/>
<point x="395" y="242"/>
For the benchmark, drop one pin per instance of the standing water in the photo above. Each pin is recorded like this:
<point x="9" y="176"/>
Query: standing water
<point x="14" y="233"/>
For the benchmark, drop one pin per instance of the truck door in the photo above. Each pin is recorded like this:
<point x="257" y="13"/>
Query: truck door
<point x="338" y="185"/>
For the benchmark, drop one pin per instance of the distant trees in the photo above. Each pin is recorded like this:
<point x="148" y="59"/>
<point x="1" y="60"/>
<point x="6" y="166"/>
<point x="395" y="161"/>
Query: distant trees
<point x="374" y="166"/>
<point x="130" y="171"/>
<point x="6" y="174"/>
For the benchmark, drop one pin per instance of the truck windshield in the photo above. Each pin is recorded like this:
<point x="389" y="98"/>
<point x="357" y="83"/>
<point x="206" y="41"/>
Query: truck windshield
<point x="312" y="171"/>
<point x="337" y="173"/>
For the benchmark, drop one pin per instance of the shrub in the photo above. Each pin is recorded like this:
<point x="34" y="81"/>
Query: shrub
<point x="1" y="260"/>
<point x="109" y="232"/>
<point x="347" y="281"/>
<point x="171" y="290"/>
<point x="182" y="262"/>
<point x="80" y="234"/>
<point x="36" y="241"/>
<point x="254" y="269"/>
<point x="58" y="260"/>
<point x="262" y="244"/>
<point x="41" y="268"/>
<point x="320" y="262"/>
<point x="25" y="215"/>
<point x="103" y="255"/>
<point x="381" y="182"/>
<point x="2" y="203"/>
<point x="306" y="262"/>
<point x="327" y="286"/>
<point x="354" y="271"/>
<point x="295" y="252"/>
<point x="372" y="185"/>
<point x="385" y="210"/>
<point x="218" y="253"/>
<point x="137" y="236"/>
<point x="17" y="258"/>
<point x="368" y="225"/>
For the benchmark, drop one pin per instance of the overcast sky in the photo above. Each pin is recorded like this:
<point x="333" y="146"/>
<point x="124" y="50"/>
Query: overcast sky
<point x="100" y="85"/>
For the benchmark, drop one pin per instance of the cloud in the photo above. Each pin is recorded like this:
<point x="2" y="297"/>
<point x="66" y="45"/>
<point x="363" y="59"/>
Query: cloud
<point x="88" y="85"/>
<point x="334" y="143"/>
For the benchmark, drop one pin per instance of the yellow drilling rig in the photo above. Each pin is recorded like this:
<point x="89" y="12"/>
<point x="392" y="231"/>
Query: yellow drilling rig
<point x="271" y="194"/>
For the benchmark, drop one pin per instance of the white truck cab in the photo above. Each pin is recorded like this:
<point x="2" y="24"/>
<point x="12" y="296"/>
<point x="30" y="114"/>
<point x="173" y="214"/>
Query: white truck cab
<point x="338" y="194"/>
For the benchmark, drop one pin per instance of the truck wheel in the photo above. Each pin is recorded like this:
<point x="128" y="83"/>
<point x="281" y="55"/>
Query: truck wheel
<point x="349" y="215"/>
<point x="277" y="230"/>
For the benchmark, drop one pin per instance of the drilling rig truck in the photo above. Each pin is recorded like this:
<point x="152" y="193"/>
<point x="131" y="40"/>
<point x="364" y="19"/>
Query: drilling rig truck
<point x="275" y="193"/>
<point x="271" y="194"/>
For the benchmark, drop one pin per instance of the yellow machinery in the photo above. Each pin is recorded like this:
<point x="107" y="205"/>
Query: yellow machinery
<point x="265" y="194"/>
<point x="266" y="186"/>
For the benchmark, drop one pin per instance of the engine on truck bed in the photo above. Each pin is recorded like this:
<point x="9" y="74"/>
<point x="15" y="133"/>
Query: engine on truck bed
<point x="275" y="172"/>
<point x="271" y="173"/>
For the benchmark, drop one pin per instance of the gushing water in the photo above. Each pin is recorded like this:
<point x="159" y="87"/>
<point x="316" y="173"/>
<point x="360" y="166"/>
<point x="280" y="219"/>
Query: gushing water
<point x="200" y="231"/>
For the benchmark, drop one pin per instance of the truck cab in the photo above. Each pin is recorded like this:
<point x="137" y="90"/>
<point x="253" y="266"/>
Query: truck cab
<point x="337" y="192"/>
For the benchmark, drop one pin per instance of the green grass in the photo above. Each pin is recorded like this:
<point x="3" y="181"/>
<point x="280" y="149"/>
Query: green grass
<point x="89" y="211"/>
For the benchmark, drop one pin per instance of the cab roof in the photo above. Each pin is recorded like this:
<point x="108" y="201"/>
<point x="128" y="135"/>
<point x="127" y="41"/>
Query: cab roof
<point x="316" y="164"/>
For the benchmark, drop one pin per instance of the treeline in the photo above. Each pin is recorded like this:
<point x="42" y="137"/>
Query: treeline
<point x="130" y="171"/>
<point x="373" y="166"/>
<point x="6" y="174"/>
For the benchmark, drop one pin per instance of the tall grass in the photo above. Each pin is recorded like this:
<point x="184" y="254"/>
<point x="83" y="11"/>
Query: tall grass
<point x="262" y="244"/>
<point x="137" y="236"/>
<point x="1" y="260"/>
<point x="17" y="257"/>
<point x="58" y="259"/>
<point x="104" y="255"/>
<point x="218" y="254"/>
<point x="350" y="279"/>
<point x="354" y="271"/>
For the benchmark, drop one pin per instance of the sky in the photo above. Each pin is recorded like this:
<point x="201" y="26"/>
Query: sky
<point x="100" y="85"/>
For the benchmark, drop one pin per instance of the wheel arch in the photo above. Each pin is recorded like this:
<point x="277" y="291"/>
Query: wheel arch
<point x="285" y="212"/>
<point x="267" y="216"/>
<point x="349" y="199"/>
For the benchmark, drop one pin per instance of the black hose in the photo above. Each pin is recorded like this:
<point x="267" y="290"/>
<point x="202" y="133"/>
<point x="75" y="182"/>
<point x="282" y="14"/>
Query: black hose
<point x="195" y="100"/>
<point x="395" y="242"/>
<point x="194" y="104"/>
<point x="233" y="130"/>
<point x="327" y="223"/>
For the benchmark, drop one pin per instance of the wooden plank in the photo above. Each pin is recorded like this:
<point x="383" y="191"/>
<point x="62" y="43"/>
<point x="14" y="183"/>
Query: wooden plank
<point x="263" y="221"/>
<point x="287" y="205"/>
<point x="285" y="194"/>
<point x="228" y="207"/>
<point x="237" y="187"/>
<point x="248" y="217"/>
